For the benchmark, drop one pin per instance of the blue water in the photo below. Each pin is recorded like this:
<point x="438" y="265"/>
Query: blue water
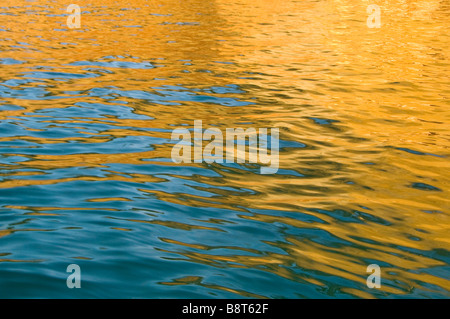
<point x="87" y="178"/>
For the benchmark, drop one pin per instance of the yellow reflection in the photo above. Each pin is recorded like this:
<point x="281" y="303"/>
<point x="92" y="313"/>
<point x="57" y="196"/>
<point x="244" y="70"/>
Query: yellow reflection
<point x="386" y="89"/>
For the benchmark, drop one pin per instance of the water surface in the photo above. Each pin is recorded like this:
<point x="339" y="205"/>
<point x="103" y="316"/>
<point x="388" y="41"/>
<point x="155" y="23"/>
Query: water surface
<point x="86" y="175"/>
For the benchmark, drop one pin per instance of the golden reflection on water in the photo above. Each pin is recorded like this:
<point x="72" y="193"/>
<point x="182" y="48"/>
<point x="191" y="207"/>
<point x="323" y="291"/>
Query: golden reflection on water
<point x="386" y="89"/>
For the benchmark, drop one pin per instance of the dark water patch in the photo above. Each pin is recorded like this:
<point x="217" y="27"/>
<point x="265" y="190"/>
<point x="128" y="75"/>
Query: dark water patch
<point x="425" y="187"/>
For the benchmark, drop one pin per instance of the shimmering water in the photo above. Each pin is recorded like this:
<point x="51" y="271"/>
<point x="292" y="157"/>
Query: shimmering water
<point x="86" y="175"/>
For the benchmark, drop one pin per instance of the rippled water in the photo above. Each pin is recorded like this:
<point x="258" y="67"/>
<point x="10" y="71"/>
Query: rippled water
<point x="85" y="138"/>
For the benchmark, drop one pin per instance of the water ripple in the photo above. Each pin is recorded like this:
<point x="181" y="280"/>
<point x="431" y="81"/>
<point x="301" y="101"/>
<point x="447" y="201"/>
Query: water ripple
<point x="86" y="174"/>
